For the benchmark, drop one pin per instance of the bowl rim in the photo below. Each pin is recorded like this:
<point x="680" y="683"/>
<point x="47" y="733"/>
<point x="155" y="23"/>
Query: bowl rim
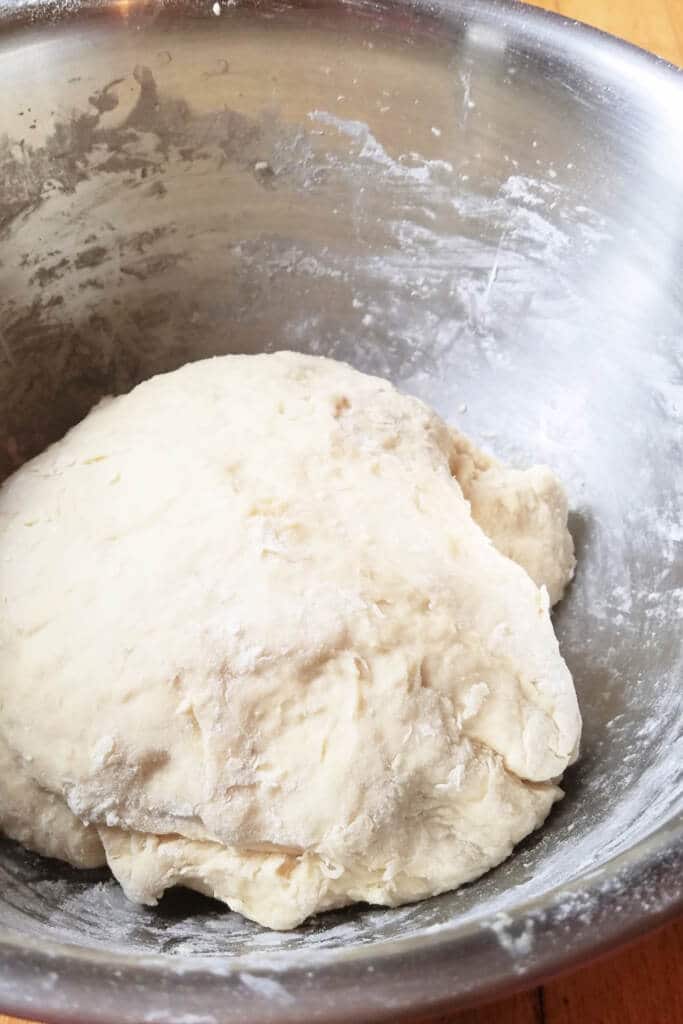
<point x="650" y="871"/>
<point x="597" y="921"/>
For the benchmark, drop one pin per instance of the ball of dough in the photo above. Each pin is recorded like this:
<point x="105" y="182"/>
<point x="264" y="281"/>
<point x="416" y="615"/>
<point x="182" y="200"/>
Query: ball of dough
<point x="253" y="642"/>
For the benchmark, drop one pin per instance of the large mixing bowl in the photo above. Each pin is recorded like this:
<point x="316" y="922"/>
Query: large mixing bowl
<point x="483" y="203"/>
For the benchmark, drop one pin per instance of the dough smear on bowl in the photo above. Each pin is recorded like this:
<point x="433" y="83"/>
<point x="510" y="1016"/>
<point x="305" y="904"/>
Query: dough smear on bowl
<point x="273" y="631"/>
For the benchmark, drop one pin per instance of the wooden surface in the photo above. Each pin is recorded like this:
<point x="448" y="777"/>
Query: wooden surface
<point x="655" y="25"/>
<point x="644" y="983"/>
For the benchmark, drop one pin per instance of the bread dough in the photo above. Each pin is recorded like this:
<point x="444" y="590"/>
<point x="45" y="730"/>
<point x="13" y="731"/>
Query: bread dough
<point x="523" y="511"/>
<point x="253" y="642"/>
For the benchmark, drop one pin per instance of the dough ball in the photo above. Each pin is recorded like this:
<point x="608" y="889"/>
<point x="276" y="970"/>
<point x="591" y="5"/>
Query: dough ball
<point x="254" y="643"/>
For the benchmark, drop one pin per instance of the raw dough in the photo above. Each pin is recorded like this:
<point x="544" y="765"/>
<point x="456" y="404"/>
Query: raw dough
<point x="254" y="643"/>
<point x="523" y="511"/>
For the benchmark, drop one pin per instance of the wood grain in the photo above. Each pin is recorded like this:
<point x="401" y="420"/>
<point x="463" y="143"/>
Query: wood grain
<point x="655" y="25"/>
<point x="644" y="983"/>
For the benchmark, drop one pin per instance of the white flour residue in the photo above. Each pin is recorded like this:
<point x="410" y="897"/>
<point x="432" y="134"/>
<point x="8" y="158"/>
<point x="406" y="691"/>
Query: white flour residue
<point x="269" y="988"/>
<point x="373" y="152"/>
<point x="532" y="191"/>
<point x="515" y="941"/>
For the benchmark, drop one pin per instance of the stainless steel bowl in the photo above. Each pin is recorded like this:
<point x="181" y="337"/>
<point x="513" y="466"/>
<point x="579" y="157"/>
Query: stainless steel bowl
<point x="483" y="203"/>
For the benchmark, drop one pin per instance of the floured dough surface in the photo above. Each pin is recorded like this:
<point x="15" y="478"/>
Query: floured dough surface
<point x="523" y="511"/>
<point x="254" y="642"/>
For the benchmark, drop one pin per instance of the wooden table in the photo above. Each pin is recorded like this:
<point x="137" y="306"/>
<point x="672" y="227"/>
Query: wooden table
<point x="655" y="25"/>
<point x="644" y="983"/>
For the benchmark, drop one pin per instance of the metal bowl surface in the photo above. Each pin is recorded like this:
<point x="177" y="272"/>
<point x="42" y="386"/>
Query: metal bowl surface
<point x="478" y="200"/>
